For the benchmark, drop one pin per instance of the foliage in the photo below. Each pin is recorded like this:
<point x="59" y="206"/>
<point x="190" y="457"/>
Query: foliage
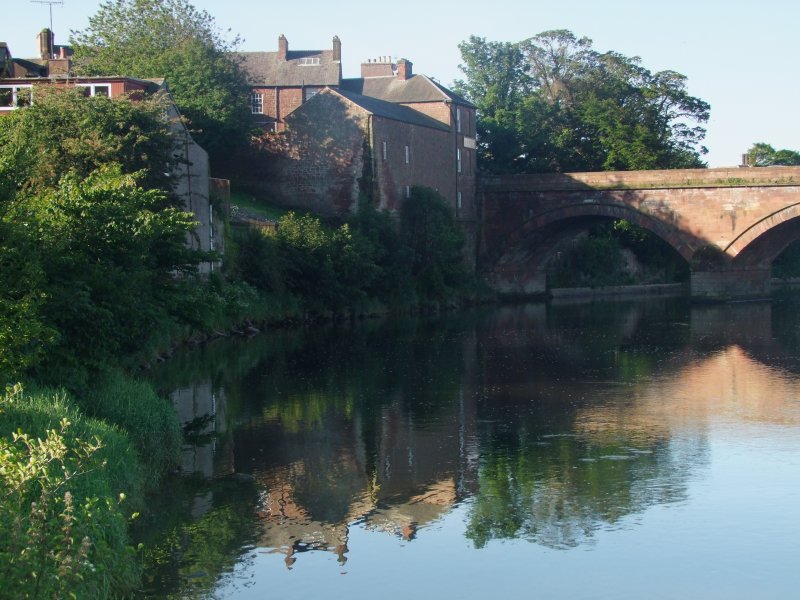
<point x="109" y="251"/>
<point x="764" y="155"/>
<point x="171" y="39"/>
<point x="372" y="258"/>
<point x="329" y="268"/>
<point x="553" y="103"/>
<point x="787" y="264"/>
<point x="65" y="132"/>
<point x="148" y="419"/>
<point x="597" y="258"/>
<point x="90" y="245"/>
<point x="64" y="533"/>
<point x="429" y="230"/>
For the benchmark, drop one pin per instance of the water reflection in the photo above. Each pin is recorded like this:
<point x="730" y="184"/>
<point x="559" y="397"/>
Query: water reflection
<point x="541" y="423"/>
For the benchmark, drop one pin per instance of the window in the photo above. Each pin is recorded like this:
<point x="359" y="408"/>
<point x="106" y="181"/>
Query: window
<point x="385" y="153"/>
<point x="458" y="120"/>
<point x="309" y="61"/>
<point x="408" y="191"/>
<point x="459" y="200"/>
<point x="458" y="160"/>
<point x="96" y="89"/>
<point x="408" y="156"/>
<point x="257" y="103"/>
<point x="14" y="96"/>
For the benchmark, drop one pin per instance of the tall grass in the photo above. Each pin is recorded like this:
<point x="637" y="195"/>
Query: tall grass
<point x="148" y="420"/>
<point x="63" y="478"/>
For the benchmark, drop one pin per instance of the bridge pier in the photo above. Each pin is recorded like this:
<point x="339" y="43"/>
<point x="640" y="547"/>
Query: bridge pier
<point x="722" y="285"/>
<point x="516" y="280"/>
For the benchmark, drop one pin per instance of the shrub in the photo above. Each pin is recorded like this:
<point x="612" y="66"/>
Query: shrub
<point x="64" y="533"/>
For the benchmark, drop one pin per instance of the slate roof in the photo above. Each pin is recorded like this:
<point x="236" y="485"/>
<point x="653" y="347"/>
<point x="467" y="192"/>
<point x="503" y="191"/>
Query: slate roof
<point x="265" y="68"/>
<point x="28" y="67"/>
<point x="418" y="88"/>
<point x="389" y="110"/>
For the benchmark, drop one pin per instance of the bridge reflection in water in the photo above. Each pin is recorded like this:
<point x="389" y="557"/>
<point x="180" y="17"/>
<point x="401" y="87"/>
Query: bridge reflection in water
<point x="548" y="423"/>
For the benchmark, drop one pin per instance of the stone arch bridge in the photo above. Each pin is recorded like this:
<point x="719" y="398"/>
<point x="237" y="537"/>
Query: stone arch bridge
<point x="728" y="224"/>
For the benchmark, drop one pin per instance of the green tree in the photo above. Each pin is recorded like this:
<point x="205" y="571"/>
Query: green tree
<point x="553" y="103"/>
<point x="65" y="132"/>
<point x="88" y="254"/>
<point x="764" y="155"/>
<point x="173" y="40"/>
<point x="435" y="243"/>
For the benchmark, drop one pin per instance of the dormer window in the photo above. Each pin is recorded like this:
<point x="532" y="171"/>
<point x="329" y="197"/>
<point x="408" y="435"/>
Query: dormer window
<point x="308" y="61"/>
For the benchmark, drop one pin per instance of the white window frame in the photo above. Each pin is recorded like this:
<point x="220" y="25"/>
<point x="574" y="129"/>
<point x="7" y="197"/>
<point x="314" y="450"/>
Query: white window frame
<point x="458" y="120"/>
<point x="408" y="155"/>
<point x="308" y="61"/>
<point x="257" y="103"/>
<point x="92" y="87"/>
<point x="15" y="88"/>
<point x="458" y="160"/>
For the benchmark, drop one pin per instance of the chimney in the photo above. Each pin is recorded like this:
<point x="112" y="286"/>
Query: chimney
<point x="46" y="44"/>
<point x="379" y="67"/>
<point x="337" y="49"/>
<point x="283" y="47"/>
<point x="404" y="69"/>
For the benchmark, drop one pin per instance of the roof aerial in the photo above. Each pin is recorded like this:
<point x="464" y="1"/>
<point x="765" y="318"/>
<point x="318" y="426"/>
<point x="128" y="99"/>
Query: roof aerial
<point x="51" y="3"/>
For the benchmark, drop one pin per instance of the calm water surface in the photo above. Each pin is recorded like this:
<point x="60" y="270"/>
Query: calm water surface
<point x="606" y="450"/>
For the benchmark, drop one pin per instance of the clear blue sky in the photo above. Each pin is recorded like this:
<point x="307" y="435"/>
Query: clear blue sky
<point x="740" y="56"/>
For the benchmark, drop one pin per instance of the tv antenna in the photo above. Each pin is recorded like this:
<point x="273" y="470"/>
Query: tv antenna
<point x="51" y="3"/>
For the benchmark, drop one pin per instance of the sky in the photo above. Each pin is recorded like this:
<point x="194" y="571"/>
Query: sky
<point x="739" y="56"/>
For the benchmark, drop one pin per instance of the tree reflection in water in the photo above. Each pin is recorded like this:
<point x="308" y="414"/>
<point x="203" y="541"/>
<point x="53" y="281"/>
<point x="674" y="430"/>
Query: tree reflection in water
<point x="544" y="423"/>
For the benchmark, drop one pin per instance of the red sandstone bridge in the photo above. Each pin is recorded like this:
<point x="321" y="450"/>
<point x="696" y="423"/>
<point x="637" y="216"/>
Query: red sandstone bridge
<point x="728" y="224"/>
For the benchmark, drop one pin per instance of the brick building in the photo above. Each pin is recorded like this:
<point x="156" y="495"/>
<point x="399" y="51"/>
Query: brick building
<point x="282" y="81"/>
<point x="391" y="127"/>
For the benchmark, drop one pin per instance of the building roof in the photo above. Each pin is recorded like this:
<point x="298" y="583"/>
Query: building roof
<point x="301" y="67"/>
<point x="28" y="67"/>
<point x="417" y="88"/>
<point x="389" y="110"/>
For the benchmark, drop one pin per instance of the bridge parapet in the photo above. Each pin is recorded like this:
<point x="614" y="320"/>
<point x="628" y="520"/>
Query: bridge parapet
<point x="642" y="180"/>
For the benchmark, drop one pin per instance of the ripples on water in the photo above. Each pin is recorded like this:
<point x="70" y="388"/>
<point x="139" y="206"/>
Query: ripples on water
<point x="620" y="450"/>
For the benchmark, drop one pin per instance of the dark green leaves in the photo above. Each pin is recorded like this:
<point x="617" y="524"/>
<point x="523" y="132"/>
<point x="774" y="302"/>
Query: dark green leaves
<point x="553" y="104"/>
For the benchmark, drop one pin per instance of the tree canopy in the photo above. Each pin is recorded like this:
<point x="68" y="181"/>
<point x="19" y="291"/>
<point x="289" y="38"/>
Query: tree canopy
<point x="173" y="40"/>
<point x="764" y="155"/>
<point x="552" y="103"/>
<point x="90" y="238"/>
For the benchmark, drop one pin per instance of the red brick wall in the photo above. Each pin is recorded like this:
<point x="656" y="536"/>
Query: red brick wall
<point x="288" y="100"/>
<point x="436" y="110"/>
<point x="323" y="159"/>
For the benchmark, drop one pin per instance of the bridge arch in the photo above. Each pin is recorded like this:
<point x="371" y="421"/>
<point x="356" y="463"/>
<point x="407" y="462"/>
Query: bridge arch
<point x="519" y="266"/>
<point x="764" y="240"/>
<point x="604" y="210"/>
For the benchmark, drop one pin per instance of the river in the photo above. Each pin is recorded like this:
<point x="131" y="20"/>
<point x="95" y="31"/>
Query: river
<point x="573" y="450"/>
